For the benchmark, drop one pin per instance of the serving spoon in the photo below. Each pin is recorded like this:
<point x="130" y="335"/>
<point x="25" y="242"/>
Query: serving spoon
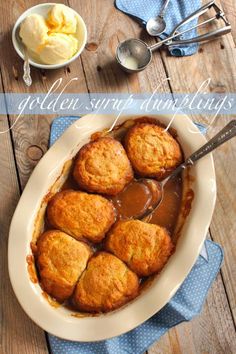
<point x="26" y="67"/>
<point x="157" y="25"/>
<point x="227" y="133"/>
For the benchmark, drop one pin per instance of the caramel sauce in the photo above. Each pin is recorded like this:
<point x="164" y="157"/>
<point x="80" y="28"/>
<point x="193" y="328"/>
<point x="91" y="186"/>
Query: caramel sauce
<point x="33" y="247"/>
<point x="50" y="300"/>
<point x="137" y="197"/>
<point x="69" y="183"/>
<point x="132" y="201"/>
<point x="79" y="314"/>
<point x="31" y="268"/>
<point x="188" y="203"/>
<point x="84" y="314"/>
<point x="166" y="214"/>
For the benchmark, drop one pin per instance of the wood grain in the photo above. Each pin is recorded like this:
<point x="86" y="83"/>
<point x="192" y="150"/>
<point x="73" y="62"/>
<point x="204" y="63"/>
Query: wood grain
<point x="230" y="10"/>
<point x="109" y="27"/>
<point x="17" y="332"/>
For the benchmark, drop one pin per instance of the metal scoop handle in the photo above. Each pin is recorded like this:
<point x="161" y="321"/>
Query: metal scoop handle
<point x="208" y="36"/>
<point x="204" y="37"/>
<point x="196" y="14"/>
<point x="171" y="41"/>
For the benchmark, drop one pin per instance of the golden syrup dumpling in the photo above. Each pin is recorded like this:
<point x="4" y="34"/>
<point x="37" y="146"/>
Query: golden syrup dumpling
<point x="61" y="260"/>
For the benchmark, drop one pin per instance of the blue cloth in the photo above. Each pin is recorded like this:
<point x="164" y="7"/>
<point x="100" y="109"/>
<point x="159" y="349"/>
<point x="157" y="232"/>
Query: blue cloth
<point x="176" y="12"/>
<point x="185" y="304"/>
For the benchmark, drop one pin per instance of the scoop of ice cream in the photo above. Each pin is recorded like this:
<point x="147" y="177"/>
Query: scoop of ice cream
<point x="58" y="48"/>
<point x="33" y="31"/>
<point x="51" y="40"/>
<point x="62" y="19"/>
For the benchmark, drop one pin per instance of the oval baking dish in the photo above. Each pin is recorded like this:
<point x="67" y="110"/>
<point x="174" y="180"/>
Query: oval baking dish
<point x="59" y="320"/>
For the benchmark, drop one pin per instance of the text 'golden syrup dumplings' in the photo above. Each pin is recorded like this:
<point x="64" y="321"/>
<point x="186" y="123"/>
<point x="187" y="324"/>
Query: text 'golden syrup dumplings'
<point x="102" y="166"/>
<point x="61" y="260"/>
<point x="144" y="247"/>
<point x="152" y="151"/>
<point x="106" y="284"/>
<point x="81" y="215"/>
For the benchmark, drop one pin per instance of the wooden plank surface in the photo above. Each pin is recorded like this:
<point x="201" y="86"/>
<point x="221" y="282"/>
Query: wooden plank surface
<point x="216" y="60"/>
<point x="18" y="334"/>
<point x="230" y="10"/>
<point x="108" y="28"/>
<point x="214" y="330"/>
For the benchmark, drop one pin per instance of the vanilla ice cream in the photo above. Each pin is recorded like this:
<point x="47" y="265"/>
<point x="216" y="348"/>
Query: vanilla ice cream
<point x="33" y="31"/>
<point x="62" y="19"/>
<point x="58" y="48"/>
<point x="51" y="40"/>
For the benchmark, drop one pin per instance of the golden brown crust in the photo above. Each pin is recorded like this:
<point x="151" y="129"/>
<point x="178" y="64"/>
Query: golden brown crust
<point x="105" y="285"/>
<point x="144" y="247"/>
<point x="81" y="215"/>
<point x="152" y="151"/>
<point x="102" y="166"/>
<point x="61" y="260"/>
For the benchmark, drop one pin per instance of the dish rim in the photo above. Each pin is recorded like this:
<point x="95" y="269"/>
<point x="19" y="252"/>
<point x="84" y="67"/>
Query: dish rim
<point x="124" y="319"/>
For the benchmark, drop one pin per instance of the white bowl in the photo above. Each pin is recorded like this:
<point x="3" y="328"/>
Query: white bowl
<point x="43" y="9"/>
<point x="59" y="321"/>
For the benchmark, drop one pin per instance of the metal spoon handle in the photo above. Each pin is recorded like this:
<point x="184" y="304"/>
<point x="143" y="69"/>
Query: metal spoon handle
<point x="27" y="77"/>
<point x="163" y="9"/>
<point x="227" y="133"/>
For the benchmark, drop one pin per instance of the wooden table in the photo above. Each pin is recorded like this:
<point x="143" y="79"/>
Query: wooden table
<point x="22" y="147"/>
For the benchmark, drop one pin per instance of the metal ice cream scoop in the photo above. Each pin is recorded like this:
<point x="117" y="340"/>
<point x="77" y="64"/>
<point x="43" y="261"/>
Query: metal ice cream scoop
<point x="134" y="55"/>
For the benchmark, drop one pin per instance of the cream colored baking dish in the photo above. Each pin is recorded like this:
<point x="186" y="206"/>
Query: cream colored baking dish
<point x="60" y="321"/>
